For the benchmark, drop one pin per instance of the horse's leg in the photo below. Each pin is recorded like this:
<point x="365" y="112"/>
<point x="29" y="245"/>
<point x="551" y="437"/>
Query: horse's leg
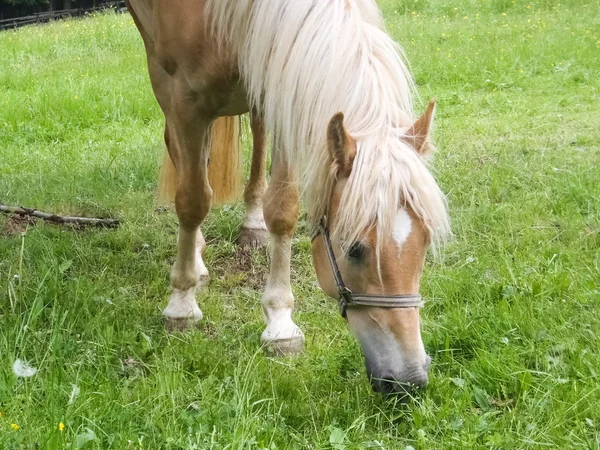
<point x="253" y="232"/>
<point x="204" y="276"/>
<point x="169" y="172"/>
<point x="191" y="132"/>
<point x="281" y="336"/>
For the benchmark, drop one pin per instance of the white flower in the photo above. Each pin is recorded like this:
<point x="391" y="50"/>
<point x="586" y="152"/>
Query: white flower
<point x="23" y="369"/>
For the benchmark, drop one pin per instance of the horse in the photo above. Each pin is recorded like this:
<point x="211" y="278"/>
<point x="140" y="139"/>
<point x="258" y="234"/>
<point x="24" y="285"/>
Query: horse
<point x="333" y="91"/>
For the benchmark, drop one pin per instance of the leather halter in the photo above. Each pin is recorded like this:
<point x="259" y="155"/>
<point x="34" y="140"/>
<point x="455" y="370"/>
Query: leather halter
<point x="346" y="298"/>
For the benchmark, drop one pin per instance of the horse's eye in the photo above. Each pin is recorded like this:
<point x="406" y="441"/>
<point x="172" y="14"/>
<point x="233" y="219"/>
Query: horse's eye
<point x="356" y="251"/>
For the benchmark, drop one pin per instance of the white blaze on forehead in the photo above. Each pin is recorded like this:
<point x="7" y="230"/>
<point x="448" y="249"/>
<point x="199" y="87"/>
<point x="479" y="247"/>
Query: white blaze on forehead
<point x="402" y="227"/>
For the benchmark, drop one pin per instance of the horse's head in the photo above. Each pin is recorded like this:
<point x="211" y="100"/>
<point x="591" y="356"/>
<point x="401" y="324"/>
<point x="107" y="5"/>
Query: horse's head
<point x="376" y="263"/>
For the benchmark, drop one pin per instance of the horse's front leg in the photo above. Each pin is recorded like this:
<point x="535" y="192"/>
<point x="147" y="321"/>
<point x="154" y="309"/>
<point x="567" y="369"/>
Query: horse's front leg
<point x="253" y="232"/>
<point x="192" y="203"/>
<point x="167" y="191"/>
<point x="204" y="275"/>
<point x="281" y="336"/>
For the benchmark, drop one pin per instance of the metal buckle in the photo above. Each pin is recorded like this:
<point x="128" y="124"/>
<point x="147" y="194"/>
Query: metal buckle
<point x="346" y="294"/>
<point x="344" y="300"/>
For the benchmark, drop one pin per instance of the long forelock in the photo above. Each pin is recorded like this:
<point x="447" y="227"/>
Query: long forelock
<point x="387" y="174"/>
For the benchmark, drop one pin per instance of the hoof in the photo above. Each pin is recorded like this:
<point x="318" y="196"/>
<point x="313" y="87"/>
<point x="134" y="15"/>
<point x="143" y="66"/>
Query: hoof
<point x="285" y="347"/>
<point x="181" y="323"/>
<point x="250" y="238"/>
<point x="182" y="312"/>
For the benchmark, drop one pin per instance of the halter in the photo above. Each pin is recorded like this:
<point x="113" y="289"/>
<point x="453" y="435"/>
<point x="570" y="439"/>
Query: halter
<point x="346" y="298"/>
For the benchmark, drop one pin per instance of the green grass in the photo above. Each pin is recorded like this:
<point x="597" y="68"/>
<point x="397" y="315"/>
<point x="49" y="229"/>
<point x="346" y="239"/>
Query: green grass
<point x="512" y="321"/>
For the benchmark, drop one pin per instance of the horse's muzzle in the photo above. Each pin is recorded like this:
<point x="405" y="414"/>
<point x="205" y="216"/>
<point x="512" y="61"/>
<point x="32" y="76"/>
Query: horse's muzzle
<point x="404" y="385"/>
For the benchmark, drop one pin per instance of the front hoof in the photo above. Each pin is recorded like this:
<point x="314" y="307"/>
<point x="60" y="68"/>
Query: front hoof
<point x="250" y="238"/>
<point x="285" y="347"/>
<point x="174" y="324"/>
<point x="182" y="312"/>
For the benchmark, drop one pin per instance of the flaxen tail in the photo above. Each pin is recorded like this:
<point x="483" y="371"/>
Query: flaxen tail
<point x="224" y="168"/>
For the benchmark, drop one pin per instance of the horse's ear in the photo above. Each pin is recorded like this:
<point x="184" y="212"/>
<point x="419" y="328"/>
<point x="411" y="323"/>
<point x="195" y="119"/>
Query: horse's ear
<point x="342" y="147"/>
<point x="418" y="134"/>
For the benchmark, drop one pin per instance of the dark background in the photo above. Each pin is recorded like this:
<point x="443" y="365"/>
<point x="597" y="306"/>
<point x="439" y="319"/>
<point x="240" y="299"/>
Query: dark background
<point x="10" y="9"/>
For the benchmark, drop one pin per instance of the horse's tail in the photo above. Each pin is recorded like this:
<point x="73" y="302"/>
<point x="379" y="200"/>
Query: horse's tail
<point x="224" y="168"/>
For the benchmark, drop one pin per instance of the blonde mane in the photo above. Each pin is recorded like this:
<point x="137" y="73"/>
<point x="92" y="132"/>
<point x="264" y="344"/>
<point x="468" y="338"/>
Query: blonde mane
<point x="304" y="61"/>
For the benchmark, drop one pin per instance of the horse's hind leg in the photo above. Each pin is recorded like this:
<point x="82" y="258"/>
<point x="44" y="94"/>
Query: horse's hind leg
<point x="253" y="232"/>
<point x="281" y="336"/>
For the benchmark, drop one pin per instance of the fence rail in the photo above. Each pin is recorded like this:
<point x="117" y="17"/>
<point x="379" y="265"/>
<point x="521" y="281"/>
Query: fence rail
<point x="47" y="16"/>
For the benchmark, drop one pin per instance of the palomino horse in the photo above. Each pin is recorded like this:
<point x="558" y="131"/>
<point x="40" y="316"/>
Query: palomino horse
<point x="298" y="65"/>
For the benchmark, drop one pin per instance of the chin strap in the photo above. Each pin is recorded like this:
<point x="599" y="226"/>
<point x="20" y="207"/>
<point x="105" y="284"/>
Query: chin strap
<point x="346" y="298"/>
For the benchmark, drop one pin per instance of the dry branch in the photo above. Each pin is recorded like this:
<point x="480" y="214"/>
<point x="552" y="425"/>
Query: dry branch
<point x="81" y="221"/>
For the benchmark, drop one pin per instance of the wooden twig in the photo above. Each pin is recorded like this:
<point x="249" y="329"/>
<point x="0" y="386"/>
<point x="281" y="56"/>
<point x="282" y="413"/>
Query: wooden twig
<point x="82" y="221"/>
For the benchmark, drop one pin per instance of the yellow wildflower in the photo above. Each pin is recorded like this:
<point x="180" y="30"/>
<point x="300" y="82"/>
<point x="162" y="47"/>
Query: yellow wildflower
<point x="61" y="426"/>
<point x="14" y="426"/>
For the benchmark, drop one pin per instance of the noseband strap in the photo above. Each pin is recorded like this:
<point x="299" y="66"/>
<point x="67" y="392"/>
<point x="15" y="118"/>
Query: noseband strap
<point x="346" y="298"/>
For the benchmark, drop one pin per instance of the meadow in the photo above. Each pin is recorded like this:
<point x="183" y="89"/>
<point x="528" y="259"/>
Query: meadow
<point x="512" y="318"/>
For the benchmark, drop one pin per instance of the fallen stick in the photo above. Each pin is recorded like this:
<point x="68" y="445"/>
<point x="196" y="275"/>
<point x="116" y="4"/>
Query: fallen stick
<point x="82" y="221"/>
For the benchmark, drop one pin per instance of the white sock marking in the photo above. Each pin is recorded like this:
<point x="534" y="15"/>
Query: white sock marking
<point x="254" y="219"/>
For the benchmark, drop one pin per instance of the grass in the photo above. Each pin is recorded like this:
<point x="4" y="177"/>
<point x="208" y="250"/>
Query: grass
<point x="512" y="321"/>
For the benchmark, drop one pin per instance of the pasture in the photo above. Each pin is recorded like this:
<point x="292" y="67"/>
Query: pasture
<point x="512" y="317"/>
